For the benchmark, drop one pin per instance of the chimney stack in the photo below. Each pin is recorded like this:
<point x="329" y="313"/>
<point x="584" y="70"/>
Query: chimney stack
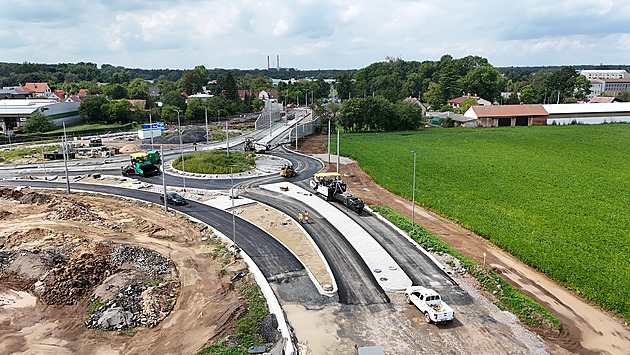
<point x="267" y="62"/>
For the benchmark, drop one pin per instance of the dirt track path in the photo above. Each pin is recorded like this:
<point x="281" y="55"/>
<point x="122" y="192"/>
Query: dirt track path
<point x="595" y="330"/>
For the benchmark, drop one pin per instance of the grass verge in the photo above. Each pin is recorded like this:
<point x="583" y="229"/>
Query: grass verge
<point x="216" y="162"/>
<point x="507" y="296"/>
<point x="247" y="331"/>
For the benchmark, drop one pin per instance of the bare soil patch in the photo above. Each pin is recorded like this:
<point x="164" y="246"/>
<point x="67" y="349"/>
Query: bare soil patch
<point x="588" y="329"/>
<point x="149" y="263"/>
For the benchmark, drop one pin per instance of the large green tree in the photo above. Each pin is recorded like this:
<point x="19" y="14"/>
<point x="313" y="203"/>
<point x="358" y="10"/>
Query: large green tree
<point x="174" y="98"/>
<point x="116" y="91"/>
<point x="483" y="81"/>
<point x="193" y="81"/>
<point x="260" y="83"/>
<point x="93" y="109"/>
<point x="195" y="109"/>
<point x="38" y="122"/>
<point x="226" y="86"/>
<point x="118" y="111"/>
<point x="527" y="95"/>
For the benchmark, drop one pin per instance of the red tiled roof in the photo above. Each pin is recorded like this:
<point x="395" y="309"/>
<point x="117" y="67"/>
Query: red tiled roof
<point x="509" y="110"/>
<point x="36" y="87"/>
<point x="600" y="99"/>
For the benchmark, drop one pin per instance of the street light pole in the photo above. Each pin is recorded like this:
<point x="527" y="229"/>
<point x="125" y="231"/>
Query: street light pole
<point x="227" y="136"/>
<point x="413" y="193"/>
<point x="151" y="128"/>
<point x="163" y="179"/>
<point x="233" y="219"/>
<point x="65" y="156"/>
<point x="329" y="141"/>
<point x="338" y="159"/>
<point x="181" y="148"/>
<point x="207" y="138"/>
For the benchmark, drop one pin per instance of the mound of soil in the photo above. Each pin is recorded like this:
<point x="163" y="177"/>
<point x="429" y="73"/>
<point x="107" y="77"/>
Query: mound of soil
<point x="30" y="197"/>
<point x="129" y="149"/>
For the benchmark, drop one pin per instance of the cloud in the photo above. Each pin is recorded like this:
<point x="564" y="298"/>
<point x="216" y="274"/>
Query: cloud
<point x="313" y="34"/>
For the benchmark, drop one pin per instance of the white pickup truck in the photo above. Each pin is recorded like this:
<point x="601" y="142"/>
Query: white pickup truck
<point x="430" y="303"/>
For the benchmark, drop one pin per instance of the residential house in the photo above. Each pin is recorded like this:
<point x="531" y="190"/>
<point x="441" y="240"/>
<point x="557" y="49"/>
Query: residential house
<point x="243" y="93"/>
<point x="39" y="90"/>
<point x="58" y="95"/>
<point x="154" y="91"/>
<point x="414" y="100"/>
<point x="456" y="102"/>
<point x="603" y="100"/>
<point x="73" y="98"/>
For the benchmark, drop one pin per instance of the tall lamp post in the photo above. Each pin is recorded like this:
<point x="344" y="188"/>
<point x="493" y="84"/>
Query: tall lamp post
<point x="206" y="114"/>
<point x="181" y="148"/>
<point x="233" y="219"/>
<point x="66" y="157"/>
<point x="413" y="192"/>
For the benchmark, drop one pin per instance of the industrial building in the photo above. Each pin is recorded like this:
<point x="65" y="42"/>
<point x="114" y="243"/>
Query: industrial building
<point x="13" y="112"/>
<point x="557" y="114"/>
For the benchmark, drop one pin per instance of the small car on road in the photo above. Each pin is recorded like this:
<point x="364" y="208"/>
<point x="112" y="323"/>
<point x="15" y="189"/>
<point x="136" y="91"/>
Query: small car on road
<point x="173" y="198"/>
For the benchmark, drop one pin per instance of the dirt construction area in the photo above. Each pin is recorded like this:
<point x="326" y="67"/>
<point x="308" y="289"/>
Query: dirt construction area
<point x="587" y="328"/>
<point x="70" y="265"/>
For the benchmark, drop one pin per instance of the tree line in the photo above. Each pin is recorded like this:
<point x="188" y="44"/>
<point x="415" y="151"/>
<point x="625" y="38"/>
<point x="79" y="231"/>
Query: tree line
<point x="372" y="96"/>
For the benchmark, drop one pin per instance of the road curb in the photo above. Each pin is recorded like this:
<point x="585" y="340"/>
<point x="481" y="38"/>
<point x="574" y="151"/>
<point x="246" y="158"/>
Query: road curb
<point x="265" y="288"/>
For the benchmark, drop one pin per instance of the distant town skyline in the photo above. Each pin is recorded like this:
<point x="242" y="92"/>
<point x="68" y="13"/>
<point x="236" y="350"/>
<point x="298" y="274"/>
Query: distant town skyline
<point x="307" y="34"/>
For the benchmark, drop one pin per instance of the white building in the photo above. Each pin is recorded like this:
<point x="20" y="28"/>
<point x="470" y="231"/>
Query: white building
<point x="563" y="114"/>
<point x="611" y="87"/>
<point x="13" y="112"/>
<point x="604" y="74"/>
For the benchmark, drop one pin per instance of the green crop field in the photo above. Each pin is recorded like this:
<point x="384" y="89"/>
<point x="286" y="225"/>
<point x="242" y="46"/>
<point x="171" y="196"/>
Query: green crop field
<point x="557" y="197"/>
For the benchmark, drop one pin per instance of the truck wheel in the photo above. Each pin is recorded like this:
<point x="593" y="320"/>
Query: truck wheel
<point x="427" y="317"/>
<point x="408" y="299"/>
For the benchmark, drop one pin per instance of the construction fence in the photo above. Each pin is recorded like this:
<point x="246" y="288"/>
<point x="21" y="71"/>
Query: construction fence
<point x="267" y="118"/>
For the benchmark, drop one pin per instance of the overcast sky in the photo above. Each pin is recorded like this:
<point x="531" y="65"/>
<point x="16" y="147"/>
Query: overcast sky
<point x="313" y="34"/>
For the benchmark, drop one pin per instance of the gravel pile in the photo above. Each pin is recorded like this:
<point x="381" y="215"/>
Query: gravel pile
<point x="129" y="280"/>
<point x="189" y="135"/>
<point x="143" y="259"/>
<point x="138" y="304"/>
<point x="75" y="211"/>
<point x="269" y="328"/>
<point x="122" y="312"/>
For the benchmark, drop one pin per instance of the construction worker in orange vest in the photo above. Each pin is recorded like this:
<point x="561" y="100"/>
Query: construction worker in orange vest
<point x="306" y="217"/>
